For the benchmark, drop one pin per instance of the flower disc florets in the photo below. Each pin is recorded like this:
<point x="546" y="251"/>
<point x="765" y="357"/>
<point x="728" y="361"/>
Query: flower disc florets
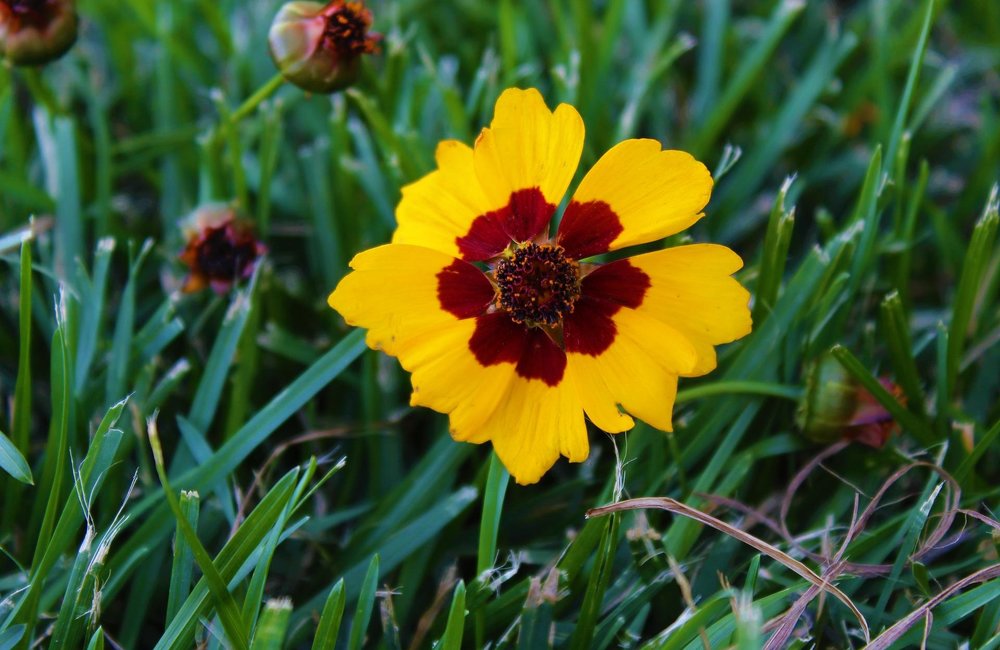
<point x="538" y="285"/>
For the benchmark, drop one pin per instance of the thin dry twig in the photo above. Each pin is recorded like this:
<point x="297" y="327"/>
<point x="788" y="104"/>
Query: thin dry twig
<point x="893" y="634"/>
<point x="676" y="507"/>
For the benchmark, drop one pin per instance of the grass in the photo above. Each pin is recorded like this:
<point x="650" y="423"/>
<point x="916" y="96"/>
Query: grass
<point x="240" y="471"/>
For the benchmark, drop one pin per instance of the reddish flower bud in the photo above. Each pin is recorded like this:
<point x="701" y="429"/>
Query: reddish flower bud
<point x="319" y="47"/>
<point x="33" y="32"/>
<point x="221" y="249"/>
<point x="836" y="407"/>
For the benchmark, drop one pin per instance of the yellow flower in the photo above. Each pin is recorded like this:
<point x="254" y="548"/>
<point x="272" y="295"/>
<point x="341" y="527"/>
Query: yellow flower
<point x="502" y="325"/>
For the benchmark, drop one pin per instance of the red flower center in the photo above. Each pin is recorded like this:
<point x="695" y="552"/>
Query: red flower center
<point x="346" y="29"/>
<point x="30" y="13"/>
<point x="538" y="284"/>
<point x="225" y="253"/>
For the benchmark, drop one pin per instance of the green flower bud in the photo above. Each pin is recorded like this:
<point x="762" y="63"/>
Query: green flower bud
<point x="319" y="47"/>
<point x="828" y="402"/>
<point x="835" y="407"/>
<point x="33" y="32"/>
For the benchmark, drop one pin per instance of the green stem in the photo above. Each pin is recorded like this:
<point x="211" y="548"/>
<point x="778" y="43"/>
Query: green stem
<point x="496" y="489"/>
<point x="253" y="101"/>
<point x="747" y="387"/>
<point x="41" y="93"/>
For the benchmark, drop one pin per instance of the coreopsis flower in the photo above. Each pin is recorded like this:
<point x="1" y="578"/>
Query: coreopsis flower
<point x="319" y="47"/>
<point x="514" y="331"/>
<point x="33" y="32"/>
<point x="836" y="407"/>
<point x="221" y="249"/>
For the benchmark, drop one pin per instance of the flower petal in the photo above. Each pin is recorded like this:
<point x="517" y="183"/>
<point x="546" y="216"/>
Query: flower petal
<point x="534" y="424"/>
<point x="528" y="146"/>
<point x="448" y="378"/>
<point x="400" y="292"/>
<point x="440" y="207"/>
<point x="418" y="305"/>
<point x="625" y="374"/>
<point x="690" y="289"/>
<point x="635" y="194"/>
<point x="618" y="354"/>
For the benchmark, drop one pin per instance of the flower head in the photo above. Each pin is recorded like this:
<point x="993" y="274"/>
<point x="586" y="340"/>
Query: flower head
<point x="221" y="249"/>
<point x="319" y="47"/>
<point x="835" y="407"/>
<point x="33" y="32"/>
<point x="511" y="329"/>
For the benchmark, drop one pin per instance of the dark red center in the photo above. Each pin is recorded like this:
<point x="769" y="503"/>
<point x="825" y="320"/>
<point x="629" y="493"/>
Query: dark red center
<point x="31" y="13"/>
<point x="225" y="253"/>
<point x="346" y="29"/>
<point x="538" y="285"/>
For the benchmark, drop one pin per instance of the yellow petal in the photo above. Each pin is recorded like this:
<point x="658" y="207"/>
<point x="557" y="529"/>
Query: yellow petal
<point x="528" y="146"/>
<point x="638" y="370"/>
<point x="534" y="424"/>
<point x="447" y="378"/>
<point x="440" y="207"/>
<point x="395" y="292"/>
<point x="635" y="194"/>
<point x="691" y="290"/>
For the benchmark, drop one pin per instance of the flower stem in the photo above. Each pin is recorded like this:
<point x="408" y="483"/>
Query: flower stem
<point x="493" y="496"/>
<point x="41" y="93"/>
<point x="254" y="100"/>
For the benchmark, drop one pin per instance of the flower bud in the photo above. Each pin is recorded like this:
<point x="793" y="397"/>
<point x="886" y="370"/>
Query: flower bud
<point x="221" y="249"/>
<point x="33" y="32"/>
<point x="836" y="407"/>
<point x="319" y="47"/>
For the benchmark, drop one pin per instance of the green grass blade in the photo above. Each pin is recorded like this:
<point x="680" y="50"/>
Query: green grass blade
<point x="916" y="62"/>
<point x="898" y="340"/>
<point x="750" y="68"/>
<point x="92" y="307"/>
<point x="273" y="625"/>
<point x="10" y="637"/>
<point x="12" y="462"/>
<point x="908" y="420"/>
<point x="232" y="562"/>
<point x="980" y="254"/>
<point x="455" y="627"/>
<point x="21" y="420"/>
<point x="329" y="620"/>
<point x="120" y="355"/>
<point x="229" y="613"/>
<point x="228" y="457"/>
<point x="213" y="380"/>
<point x="366" y="603"/>
<point x="96" y="640"/>
<point x="182" y="566"/>
<point x="597" y="585"/>
<point x="50" y="487"/>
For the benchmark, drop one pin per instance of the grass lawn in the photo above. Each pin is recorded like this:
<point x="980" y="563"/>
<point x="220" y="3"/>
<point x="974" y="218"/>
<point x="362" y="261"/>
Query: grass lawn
<point x="197" y="451"/>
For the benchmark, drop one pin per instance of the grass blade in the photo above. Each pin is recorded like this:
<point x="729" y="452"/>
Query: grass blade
<point x="453" y="630"/>
<point x="329" y="620"/>
<point x="12" y="462"/>
<point x="224" y="602"/>
<point x="366" y="603"/>
<point x="183" y="563"/>
<point x="273" y="625"/>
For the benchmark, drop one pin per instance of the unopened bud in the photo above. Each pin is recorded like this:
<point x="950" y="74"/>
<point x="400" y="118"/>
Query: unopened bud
<point x="33" y="32"/>
<point x="221" y="249"/>
<point x="836" y="407"/>
<point x="319" y="47"/>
